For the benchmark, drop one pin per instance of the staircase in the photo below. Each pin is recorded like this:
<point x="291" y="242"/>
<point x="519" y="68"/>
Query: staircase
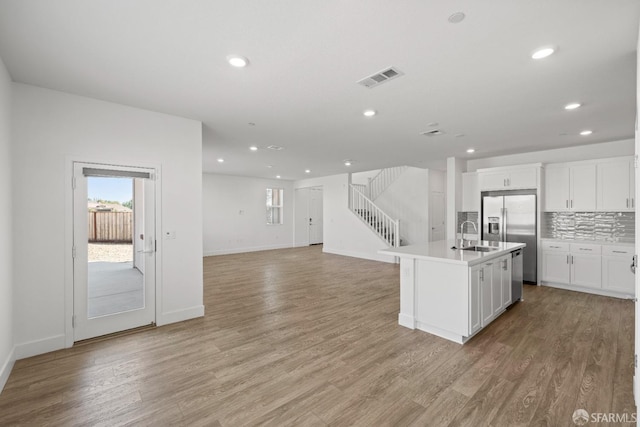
<point x="387" y="228"/>
<point x="382" y="181"/>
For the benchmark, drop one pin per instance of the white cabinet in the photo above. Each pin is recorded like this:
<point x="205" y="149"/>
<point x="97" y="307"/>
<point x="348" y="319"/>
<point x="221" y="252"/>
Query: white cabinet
<point x="490" y="291"/>
<point x="616" y="185"/>
<point x="570" y="188"/>
<point x="470" y="192"/>
<point x="589" y="266"/>
<point x="616" y="269"/>
<point x="509" y="179"/>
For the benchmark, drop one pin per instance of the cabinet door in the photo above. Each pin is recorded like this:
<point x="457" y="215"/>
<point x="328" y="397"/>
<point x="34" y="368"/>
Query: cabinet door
<point x="556" y="189"/>
<point x="617" y="275"/>
<point x="496" y="286"/>
<point x="523" y="178"/>
<point x="470" y="192"/>
<point x="475" y="291"/>
<point x="506" y="282"/>
<point x="493" y="180"/>
<point x="632" y="183"/>
<point x="583" y="188"/>
<point x="614" y="185"/>
<point x="486" y="301"/>
<point x="586" y="270"/>
<point x="555" y="267"/>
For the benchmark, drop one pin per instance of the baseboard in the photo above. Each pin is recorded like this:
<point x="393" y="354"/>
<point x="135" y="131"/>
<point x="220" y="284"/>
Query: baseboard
<point x="180" y="315"/>
<point x="7" y="366"/>
<point x="406" y="321"/>
<point x="363" y="255"/>
<point x="44" y="345"/>
<point x="594" y="291"/>
<point x="248" y="249"/>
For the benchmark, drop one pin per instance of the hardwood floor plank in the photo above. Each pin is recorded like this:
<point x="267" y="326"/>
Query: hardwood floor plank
<point x="296" y="337"/>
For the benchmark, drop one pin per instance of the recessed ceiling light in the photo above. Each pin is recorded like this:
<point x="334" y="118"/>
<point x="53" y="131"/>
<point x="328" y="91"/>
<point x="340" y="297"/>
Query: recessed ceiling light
<point x="348" y="162"/>
<point x="459" y="135"/>
<point x="433" y="124"/>
<point x="253" y="148"/>
<point x="220" y="160"/>
<point x="543" y="52"/>
<point x="471" y="150"/>
<point x="572" y="106"/>
<point x="370" y="113"/>
<point x="269" y="166"/>
<point x="307" y="171"/>
<point x="278" y="176"/>
<point x="238" y="61"/>
<point x="586" y="132"/>
<point x="456" y="17"/>
<point x="251" y="124"/>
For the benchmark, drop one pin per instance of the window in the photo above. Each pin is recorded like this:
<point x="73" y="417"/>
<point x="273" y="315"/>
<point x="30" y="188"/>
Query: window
<point x="274" y="205"/>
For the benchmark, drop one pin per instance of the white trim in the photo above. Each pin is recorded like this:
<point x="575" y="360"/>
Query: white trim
<point x="7" y="366"/>
<point x="451" y="336"/>
<point x="406" y="321"/>
<point x="602" y="292"/>
<point x="180" y="315"/>
<point x="363" y="255"/>
<point x="247" y="249"/>
<point x="69" y="229"/>
<point x="41" y="346"/>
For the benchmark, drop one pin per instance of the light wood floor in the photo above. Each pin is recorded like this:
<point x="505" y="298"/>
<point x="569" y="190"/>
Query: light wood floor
<point x="296" y="337"/>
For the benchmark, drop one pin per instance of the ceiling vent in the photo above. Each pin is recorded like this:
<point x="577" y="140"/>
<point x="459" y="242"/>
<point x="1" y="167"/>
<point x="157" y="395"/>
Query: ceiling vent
<point x="275" y="147"/>
<point x="380" y="77"/>
<point x="432" y="132"/>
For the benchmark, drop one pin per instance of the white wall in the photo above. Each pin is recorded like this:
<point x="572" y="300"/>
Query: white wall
<point x="6" y="224"/>
<point x="49" y="129"/>
<point x="235" y="215"/>
<point x="344" y="233"/>
<point x="583" y="152"/>
<point x="455" y="167"/>
<point x="407" y="199"/>
<point x="363" y="178"/>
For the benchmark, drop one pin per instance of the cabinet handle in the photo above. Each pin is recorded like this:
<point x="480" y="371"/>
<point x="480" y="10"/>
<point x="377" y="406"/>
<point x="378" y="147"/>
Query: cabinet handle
<point x="583" y="249"/>
<point x="571" y="259"/>
<point x="482" y="275"/>
<point x="627" y="203"/>
<point x="633" y="202"/>
<point x="620" y="252"/>
<point x="571" y="203"/>
<point x="504" y="182"/>
<point x="555" y="247"/>
<point x="567" y="259"/>
<point x="567" y="203"/>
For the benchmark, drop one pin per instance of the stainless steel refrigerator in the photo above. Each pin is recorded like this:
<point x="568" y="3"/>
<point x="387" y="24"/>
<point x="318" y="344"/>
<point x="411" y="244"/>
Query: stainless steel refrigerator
<point x="510" y="216"/>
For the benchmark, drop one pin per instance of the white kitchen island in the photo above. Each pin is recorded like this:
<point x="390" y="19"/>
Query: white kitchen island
<point x="453" y="293"/>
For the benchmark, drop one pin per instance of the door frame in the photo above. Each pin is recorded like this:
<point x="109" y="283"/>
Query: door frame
<point x="69" y="228"/>
<point x="298" y="210"/>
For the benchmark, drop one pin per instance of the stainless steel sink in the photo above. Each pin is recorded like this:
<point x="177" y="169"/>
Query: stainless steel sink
<point x="477" y="248"/>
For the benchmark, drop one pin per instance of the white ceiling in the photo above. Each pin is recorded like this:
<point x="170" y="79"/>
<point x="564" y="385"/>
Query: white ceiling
<point x="474" y="78"/>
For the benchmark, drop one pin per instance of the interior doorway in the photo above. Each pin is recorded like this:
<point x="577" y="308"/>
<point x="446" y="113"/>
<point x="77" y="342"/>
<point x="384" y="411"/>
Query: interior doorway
<point x="308" y="216"/>
<point x="113" y="249"/>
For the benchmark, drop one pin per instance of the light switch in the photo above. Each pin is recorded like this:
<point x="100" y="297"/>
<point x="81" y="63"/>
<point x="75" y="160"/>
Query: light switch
<point x="169" y="235"/>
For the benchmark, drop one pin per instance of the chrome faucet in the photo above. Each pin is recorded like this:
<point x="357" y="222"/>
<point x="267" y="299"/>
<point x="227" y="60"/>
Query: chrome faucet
<point x="462" y="231"/>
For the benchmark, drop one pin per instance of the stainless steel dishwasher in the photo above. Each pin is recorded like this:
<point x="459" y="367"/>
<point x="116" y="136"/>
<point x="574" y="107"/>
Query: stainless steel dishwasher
<point x="516" y="275"/>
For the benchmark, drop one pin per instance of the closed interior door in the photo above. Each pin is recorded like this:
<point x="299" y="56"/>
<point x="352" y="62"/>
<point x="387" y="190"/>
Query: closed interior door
<point x="114" y="249"/>
<point x="315" y="216"/>
<point x="437" y="216"/>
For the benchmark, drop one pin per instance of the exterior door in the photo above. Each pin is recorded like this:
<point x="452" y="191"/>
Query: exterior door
<point x="315" y="216"/>
<point x="113" y="283"/>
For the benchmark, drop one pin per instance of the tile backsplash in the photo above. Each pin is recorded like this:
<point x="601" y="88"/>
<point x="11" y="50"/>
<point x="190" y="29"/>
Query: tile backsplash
<point x="467" y="216"/>
<point x="604" y="226"/>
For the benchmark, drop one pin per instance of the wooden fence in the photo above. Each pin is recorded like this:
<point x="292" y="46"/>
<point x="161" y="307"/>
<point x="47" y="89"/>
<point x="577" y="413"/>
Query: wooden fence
<point x="112" y="227"/>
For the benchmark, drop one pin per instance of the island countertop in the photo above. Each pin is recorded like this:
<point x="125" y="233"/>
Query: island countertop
<point x="441" y="251"/>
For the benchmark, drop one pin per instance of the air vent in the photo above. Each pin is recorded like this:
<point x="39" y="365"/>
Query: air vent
<point x="275" y="147"/>
<point x="380" y="77"/>
<point x="432" y="132"/>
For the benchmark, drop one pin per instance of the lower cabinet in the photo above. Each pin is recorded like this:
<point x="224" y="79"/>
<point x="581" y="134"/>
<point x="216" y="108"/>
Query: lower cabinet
<point x="588" y="266"/>
<point x="490" y="291"/>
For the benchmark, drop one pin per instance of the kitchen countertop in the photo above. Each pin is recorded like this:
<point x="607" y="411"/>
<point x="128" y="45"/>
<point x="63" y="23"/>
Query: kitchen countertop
<point x="588" y="242"/>
<point x="441" y="251"/>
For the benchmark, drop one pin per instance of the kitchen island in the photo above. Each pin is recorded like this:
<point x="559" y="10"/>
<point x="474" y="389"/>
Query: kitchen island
<point x="454" y="292"/>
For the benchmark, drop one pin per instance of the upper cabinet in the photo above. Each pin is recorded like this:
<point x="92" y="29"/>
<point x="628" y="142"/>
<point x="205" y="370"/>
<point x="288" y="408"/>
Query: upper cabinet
<point x="570" y="188"/>
<point x="509" y="178"/>
<point x="616" y="185"/>
<point x="597" y="185"/>
<point x="470" y="192"/>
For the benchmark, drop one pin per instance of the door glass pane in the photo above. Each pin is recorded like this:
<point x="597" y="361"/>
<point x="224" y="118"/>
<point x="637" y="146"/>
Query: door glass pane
<point x="115" y="278"/>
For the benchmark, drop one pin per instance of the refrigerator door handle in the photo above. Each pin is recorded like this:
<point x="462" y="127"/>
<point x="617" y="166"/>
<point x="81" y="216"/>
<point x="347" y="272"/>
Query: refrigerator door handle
<point x="503" y="224"/>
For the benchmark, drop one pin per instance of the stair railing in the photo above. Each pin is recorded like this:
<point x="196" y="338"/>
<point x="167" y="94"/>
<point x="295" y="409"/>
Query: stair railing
<point x="387" y="228"/>
<point x="379" y="183"/>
